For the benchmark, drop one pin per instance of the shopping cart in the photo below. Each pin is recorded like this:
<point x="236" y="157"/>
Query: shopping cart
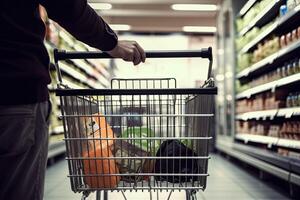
<point x="142" y="134"/>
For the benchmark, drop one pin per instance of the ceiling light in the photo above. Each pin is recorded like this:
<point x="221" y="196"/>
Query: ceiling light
<point x="120" y="27"/>
<point x="101" y="6"/>
<point x="194" y="7"/>
<point x="200" y="29"/>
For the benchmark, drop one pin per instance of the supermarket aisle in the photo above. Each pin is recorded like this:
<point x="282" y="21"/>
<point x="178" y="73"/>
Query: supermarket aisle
<point x="227" y="181"/>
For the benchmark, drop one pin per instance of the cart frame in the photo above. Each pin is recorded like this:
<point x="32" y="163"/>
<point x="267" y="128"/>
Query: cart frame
<point x="186" y="100"/>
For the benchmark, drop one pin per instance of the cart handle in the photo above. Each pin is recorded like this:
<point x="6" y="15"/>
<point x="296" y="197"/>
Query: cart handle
<point x="202" y="53"/>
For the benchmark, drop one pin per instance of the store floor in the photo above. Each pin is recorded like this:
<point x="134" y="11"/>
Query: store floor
<point x="226" y="181"/>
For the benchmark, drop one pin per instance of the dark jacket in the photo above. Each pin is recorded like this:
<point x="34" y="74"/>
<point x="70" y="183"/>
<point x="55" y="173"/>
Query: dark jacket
<point x="24" y="61"/>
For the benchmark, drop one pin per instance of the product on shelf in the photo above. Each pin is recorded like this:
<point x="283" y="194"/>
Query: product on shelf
<point x="274" y="131"/>
<point x="288" y="153"/>
<point x="293" y="100"/>
<point x="286" y="130"/>
<point x="287" y="69"/>
<point x="262" y="101"/>
<point x="251" y="14"/>
<point x="244" y="61"/>
<point x="266" y="48"/>
<point x="290" y="130"/>
<point x="283" y="10"/>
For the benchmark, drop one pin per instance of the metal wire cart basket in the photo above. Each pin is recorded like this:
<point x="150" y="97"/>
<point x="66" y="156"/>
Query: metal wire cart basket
<point x="142" y="134"/>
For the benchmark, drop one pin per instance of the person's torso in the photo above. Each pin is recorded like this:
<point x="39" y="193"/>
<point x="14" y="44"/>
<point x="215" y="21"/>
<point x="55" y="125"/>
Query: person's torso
<point x="22" y="53"/>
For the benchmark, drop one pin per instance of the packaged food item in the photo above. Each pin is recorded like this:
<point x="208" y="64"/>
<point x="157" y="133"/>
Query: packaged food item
<point x="283" y="10"/>
<point x="174" y="148"/>
<point x="150" y="146"/>
<point x="297" y="65"/>
<point x="123" y="148"/>
<point x="97" y="163"/>
<point x="283" y="42"/>
<point x="289" y="100"/>
<point x="288" y="38"/>
<point x="289" y="69"/>
<point x="294" y="35"/>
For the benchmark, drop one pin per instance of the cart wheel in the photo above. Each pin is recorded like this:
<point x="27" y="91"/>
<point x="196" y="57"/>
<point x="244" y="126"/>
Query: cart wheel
<point x="190" y="195"/>
<point x="98" y="195"/>
<point x="84" y="195"/>
<point x="105" y="196"/>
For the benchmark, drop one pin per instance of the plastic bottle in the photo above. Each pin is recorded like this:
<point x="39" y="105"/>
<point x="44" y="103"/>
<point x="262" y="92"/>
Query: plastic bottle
<point x="288" y="100"/>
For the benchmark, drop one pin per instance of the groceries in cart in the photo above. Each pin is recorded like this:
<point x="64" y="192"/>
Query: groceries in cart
<point x="98" y="171"/>
<point x="124" y="148"/>
<point x="142" y="133"/>
<point x="183" y="163"/>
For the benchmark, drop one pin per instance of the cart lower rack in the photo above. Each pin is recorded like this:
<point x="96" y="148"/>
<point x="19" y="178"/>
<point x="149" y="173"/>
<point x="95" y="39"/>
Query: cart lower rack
<point x="137" y="139"/>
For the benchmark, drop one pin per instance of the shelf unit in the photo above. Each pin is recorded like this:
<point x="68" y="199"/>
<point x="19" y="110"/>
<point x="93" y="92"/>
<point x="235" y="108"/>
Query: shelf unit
<point x="270" y="141"/>
<point x="268" y="61"/>
<point x="292" y="79"/>
<point x="261" y="151"/>
<point x="260" y="18"/>
<point x="246" y="7"/>
<point x="269" y="114"/>
<point x="272" y="29"/>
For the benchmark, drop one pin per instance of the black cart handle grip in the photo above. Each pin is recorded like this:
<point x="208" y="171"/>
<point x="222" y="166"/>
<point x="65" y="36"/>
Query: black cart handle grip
<point x="203" y="53"/>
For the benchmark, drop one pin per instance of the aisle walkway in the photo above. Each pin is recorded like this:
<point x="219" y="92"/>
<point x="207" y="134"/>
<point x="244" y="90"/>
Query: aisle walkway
<point x="227" y="181"/>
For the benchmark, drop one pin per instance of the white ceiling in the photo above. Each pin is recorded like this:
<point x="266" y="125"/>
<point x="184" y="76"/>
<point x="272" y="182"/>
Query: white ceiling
<point x="156" y="15"/>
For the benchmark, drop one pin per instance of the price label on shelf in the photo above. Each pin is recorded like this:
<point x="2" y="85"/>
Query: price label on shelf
<point x="289" y="114"/>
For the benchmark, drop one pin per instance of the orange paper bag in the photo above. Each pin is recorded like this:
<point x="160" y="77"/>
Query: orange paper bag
<point x="98" y="167"/>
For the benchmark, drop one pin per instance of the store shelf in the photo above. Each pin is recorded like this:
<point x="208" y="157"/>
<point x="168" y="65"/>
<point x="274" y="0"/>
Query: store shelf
<point x="72" y="85"/>
<point x="279" y="166"/>
<point x="247" y="7"/>
<point x="288" y="112"/>
<point x="243" y="154"/>
<point x="270" y="141"/>
<point x="295" y="179"/>
<point x="262" y="114"/>
<point x="66" y="38"/>
<point x="269" y="86"/>
<point x="257" y="138"/>
<point x="269" y="60"/>
<point x="261" y="16"/>
<point x="276" y="25"/>
<point x="72" y="72"/>
<point x="293" y="144"/>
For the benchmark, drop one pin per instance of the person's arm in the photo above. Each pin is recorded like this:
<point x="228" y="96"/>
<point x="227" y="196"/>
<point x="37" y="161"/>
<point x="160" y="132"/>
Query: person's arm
<point x="78" y="18"/>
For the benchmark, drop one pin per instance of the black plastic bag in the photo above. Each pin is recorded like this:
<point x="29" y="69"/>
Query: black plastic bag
<point x="174" y="148"/>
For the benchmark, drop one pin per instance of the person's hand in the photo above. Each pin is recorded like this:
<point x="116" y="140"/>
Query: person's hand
<point x="129" y="51"/>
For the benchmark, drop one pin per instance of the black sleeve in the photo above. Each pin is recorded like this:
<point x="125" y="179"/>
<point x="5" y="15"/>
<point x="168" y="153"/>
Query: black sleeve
<point x="78" y="18"/>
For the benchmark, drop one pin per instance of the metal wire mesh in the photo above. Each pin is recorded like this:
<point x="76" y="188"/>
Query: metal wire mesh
<point x="115" y="142"/>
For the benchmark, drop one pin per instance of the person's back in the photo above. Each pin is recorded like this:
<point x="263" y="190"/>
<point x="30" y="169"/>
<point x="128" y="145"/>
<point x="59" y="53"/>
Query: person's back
<point x="24" y="75"/>
<point x="23" y="58"/>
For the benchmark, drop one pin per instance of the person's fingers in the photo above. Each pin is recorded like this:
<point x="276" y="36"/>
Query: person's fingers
<point x="136" y="57"/>
<point x="129" y="56"/>
<point x="141" y="51"/>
